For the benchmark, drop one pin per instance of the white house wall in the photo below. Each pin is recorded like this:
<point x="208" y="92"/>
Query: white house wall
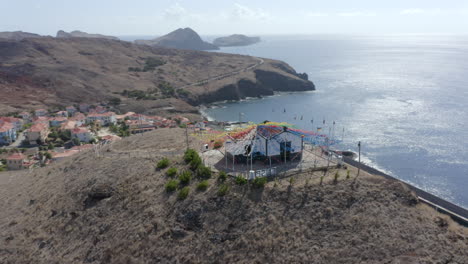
<point x="274" y="143"/>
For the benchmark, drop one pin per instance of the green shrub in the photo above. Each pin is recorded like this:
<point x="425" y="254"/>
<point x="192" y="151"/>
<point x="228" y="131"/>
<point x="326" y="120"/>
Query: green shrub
<point x="185" y="177"/>
<point x="259" y="182"/>
<point x="217" y="145"/>
<point x="222" y="176"/>
<point x="196" y="163"/>
<point x="164" y="163"/>
<point x="203" y="185"/>
<point x="189" y="155"/>
<point x="347" y="174"/>
<point x="183" y="193"/>
<point x="337" y="175"/>
<point x="223" y="190"/>
<point x="321" y="180"/>
<point x="204" y="172"/>
<point x="171" y="185"/>
<point x="240" y="180"/>
<point x="171" y="172"/>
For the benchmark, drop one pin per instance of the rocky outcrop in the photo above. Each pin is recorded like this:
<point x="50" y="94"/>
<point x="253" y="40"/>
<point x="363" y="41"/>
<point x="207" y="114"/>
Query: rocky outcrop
<point x="80" y="34"/>
<point x="18" y="35"/>
<point x="235" y="40"/>
<point x="265" y="84"/>
<point x="182" y="38"/>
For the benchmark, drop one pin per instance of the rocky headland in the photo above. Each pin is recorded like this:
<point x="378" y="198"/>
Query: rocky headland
<point x="55" y="72"/>
<point x="182" y="38"/>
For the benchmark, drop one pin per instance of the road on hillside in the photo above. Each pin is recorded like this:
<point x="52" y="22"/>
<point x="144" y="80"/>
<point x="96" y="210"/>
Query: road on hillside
<point x="260" y="61"/>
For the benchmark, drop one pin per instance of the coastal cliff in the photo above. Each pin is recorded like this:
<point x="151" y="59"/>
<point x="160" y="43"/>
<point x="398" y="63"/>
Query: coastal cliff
<point x="265" y="83"/>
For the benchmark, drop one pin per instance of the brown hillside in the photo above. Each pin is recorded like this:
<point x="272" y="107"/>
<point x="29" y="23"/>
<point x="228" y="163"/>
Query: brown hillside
<point x="48" y="72"/>
<point x="114" y="209"/>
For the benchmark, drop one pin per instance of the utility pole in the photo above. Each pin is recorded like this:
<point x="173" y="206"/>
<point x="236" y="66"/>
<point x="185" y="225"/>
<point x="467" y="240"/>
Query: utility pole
<point x="359" y="159"/>
<point x="186" y="136"/>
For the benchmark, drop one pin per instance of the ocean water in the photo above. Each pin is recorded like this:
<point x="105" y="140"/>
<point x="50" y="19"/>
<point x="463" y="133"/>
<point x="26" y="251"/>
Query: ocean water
<point x="404" y="97"/>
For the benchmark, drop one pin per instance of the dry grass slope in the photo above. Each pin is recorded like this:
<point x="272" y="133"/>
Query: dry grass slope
<point x="53" y="72"/>
<point x="114" y="209"/>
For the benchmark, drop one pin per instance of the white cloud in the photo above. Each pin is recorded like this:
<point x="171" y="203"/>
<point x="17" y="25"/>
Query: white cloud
<point x="241" y="12"/>
<point x="317" y="14"/>
<point x="357" y="13"/>
<point x="434" y="11"/>
<point x="412" y="11"/>
<point x="175" y="12"/>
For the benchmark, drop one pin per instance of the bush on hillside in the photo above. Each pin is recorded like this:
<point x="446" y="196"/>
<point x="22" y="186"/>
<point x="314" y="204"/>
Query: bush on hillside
<point x="217" y="145"/>
<point x="189" y="155"/>
<point x="171" y="172"/>
<point x="185" y="177"/>
<point x="183" y="193"/>
<point x="259" y="182"/>
<point x="240" y="180"/>
<point x="223" y="190"/>
<point x="202" y="186"/>
<point x="222" y="176"/>
<point x="196" y="163"/>
<point x="164" y="163"/>
<point x="171" y="185"/>
<point x="204" y="172"/>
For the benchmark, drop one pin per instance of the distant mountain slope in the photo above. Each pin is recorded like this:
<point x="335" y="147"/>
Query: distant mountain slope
<point x="235" y="40"/>
<point x="182" y="38"/>
<point x="18" y="35"/>
<point x="53" y="72"/>
<point x="80" y="34"/>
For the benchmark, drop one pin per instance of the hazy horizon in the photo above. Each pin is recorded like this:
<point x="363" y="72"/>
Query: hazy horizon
<point x="259" y="17"/>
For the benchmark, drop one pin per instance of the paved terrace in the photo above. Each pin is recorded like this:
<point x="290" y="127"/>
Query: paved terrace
<point x="312" y="159"/>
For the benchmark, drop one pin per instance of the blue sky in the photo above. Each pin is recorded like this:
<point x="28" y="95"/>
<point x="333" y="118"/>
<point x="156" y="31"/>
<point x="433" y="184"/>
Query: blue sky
<point x="155" y="17"/>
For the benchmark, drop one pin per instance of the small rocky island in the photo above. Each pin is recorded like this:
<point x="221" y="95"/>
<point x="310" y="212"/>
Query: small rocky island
<point x="182" y="38"/>
<point x="235" y="40"/>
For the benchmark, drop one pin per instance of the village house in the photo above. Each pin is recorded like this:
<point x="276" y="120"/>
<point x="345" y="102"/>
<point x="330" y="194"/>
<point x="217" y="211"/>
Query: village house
<point x="26" y="116"/>
<point x="79" y="118"/>
<point x="57" y="121"/>
<point x="62" y="113"/>
<point x="181" y="119"/>
<point x="41" y="120"/>
<point x="103" y="119"/>
<point x="139" y="126"/>
<point x="15" y="161"/>
<point x="17" y="122"/>
<point x="110" y="138"/>
<point x="71" y="110"/>
<point x="124" y="116"/>
<point x="82" y="134"/>
<point x="84" y="108"/>
<point x="37" y="133"/>
<point x="278" y="144"/>
<point x="68" y="126"/>
<point x="98" y="109"/>
<point x="41" y="112"/>
<point x="7" y="133"/>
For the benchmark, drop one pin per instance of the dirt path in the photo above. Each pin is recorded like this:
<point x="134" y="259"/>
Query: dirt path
<point x="226" y="75"/>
